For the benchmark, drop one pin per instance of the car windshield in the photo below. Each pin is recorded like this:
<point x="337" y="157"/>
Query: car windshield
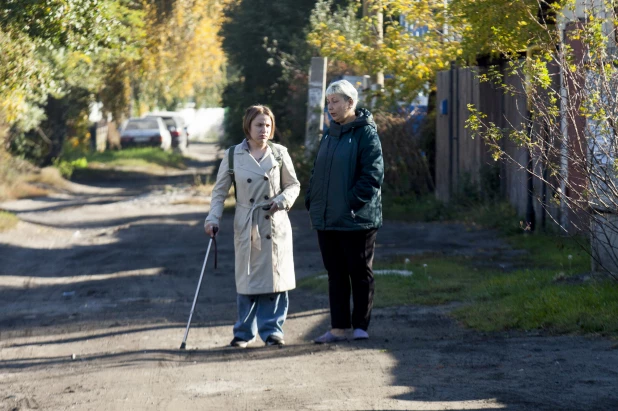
<point x="169" y="122"/>
<point x="172" y="123"/>
<point x="142" y="125"/>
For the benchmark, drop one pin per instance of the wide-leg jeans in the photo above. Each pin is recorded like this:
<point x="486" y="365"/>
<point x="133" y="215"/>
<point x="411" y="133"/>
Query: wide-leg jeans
<point x="261" y="313"/>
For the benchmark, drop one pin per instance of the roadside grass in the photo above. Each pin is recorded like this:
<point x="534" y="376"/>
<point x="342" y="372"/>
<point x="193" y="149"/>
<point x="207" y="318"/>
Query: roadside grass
<point x="554" y="300"/>
<point x="21" y="189"/>
<point x="554" y="291"/>
<point x="415" y="209"/>
<point x="497" y="215"/>
<point x="20" y="179"/>
<point x="93" y="164"/>
<point x="7" y="221"/>
<point x="542" y="299"/>
<point x="138" y="157"/>
<point x="434" y="281"/>
<point x="569" y="254"/>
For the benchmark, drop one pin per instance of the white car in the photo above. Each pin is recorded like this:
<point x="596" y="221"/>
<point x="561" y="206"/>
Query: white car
<point x="145" y="132"/>
<point x="175" y="124"/>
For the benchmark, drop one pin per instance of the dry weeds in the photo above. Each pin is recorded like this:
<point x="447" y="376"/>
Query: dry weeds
<point x="20" y="179"/>
<point x="7" y="221"/>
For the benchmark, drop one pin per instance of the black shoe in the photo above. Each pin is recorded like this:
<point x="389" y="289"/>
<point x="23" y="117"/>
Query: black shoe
<point x="237" y="342"/>
<point x="275" y="340"/>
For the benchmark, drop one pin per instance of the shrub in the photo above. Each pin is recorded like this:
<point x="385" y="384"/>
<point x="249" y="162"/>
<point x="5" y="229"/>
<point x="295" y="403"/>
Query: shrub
<point x="406" y="164"/>
<point x="66" y="168"/>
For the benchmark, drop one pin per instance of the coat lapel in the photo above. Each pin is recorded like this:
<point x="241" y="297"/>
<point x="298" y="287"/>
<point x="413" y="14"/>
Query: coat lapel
<point x="242" y="159"/>
<point x="269" y="162"/>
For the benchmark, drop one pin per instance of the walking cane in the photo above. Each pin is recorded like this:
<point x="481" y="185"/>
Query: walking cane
<point x="199" y="283"/>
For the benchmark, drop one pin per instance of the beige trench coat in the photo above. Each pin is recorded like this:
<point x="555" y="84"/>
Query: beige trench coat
<point x="262" y="241"/>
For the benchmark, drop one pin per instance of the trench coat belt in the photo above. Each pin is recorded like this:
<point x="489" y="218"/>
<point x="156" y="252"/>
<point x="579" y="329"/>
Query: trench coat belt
<point x="256" y="240"/>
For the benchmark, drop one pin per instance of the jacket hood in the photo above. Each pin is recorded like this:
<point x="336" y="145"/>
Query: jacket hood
<point x="363" y="118"/>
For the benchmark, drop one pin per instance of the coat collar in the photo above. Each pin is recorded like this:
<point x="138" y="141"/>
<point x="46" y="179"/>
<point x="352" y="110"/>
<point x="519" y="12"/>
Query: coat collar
<point x="363" y="118"/>
<point x="244" y="160"/>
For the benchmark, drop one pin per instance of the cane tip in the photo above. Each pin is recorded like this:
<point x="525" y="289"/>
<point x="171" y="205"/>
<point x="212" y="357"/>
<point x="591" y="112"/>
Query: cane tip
<point x="183" y="346"/>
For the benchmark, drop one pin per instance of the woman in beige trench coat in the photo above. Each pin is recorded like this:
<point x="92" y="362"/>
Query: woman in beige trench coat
<point x="266" y="187"/>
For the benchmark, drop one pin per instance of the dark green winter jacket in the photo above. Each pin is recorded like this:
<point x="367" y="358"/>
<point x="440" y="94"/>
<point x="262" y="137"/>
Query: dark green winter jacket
<point x="345" y="188"/>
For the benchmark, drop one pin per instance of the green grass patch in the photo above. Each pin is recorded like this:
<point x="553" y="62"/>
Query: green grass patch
<point x="145" y="158"/>
<point x="569" y="254"/>
<point x="7" y="221"/>
<point x="415" y="209"/>
<point x="496" y="215"/>
<point x="138" y="157"/>
<point x="490" y="214"/>
<point x="557" y="293"/>
<point x="546" y="250"/>
<point x="317" y="283"/>
<point x="542" y="299"/>
<point x="434" y="281"/>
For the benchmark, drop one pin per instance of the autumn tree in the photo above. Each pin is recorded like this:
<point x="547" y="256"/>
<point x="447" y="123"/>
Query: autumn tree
<point x="502" y="28"/>
<point x="34" y="37"/>
<point x="182" y="58"/>
<point x="133" y="55"/>
<point x="421" y="37"/>
<point x="415" y="45"/>
<point x="269" y="59"/>
<point x="53" y="51"/>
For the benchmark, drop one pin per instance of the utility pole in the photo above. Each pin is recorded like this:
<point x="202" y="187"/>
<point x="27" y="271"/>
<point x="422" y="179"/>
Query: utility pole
<point x="315" y="104"/>
<point x="373" y="8"/>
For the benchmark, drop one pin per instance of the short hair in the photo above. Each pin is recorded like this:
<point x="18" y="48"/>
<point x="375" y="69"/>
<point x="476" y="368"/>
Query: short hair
<point x="344" y="88"/>
<point x="251" y="113"/>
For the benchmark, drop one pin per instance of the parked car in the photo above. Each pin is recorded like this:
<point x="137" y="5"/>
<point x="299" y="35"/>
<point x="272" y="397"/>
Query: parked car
<point x="146" y="132"/>
<point x="176" y="125"/>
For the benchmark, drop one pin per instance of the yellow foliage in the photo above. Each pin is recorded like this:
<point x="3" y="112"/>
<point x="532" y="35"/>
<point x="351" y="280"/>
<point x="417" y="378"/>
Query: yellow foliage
<point x="183" y="55"/>
<point x="411" y="60"/>
<point x="12" y="106"/>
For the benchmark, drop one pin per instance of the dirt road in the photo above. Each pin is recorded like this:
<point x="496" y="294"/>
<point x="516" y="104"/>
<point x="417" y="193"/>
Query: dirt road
<point x="95" y="290"/>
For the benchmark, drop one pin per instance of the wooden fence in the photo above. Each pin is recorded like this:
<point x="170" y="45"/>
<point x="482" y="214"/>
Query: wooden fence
<point x="464" y="164"/>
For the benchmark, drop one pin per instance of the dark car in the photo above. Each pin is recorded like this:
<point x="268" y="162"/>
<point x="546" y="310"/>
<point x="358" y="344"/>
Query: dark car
<point x="175" y="124"/>
<point x="145" y="132"/>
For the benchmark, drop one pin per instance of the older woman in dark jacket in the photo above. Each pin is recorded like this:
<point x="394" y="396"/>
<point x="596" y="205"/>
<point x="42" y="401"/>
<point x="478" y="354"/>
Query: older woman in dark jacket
<point x="345" y="205"/>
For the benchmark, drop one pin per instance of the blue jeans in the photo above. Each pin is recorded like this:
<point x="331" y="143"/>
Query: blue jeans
<point x="263" y="313"/>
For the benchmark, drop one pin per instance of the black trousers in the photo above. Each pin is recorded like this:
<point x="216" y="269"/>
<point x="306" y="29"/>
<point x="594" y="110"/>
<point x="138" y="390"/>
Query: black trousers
<point x="348" y="258"/>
